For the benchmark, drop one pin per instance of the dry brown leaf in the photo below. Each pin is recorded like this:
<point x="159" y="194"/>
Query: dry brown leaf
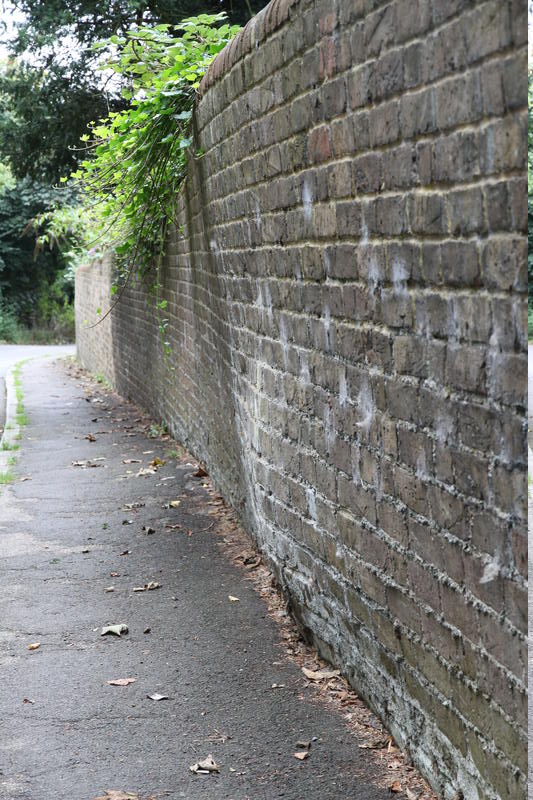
<point x="90" y="437"/>
<point x="148" y="587"/>
<point x="156" y="462"/>
<point x="376" y="744"/>
<point x="113" y="794"/>
<point x="200" y="473"/>
<point x="174" y="503"/>
<point x="34" y="646"/>
<point x="122" y="681"/>
<point x="396" y="787"/>
<point x="320" y="674"/>
<point x="205" y="766"/>
<point x="301" y="755"/>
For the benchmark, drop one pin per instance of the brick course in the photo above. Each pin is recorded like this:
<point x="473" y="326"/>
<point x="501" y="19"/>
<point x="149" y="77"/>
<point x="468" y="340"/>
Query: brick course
<point x="346" y="308"/>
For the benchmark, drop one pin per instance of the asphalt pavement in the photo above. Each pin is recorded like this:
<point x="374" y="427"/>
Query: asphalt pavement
<point x="11" y="354"/>
<point x="86" y="523"/>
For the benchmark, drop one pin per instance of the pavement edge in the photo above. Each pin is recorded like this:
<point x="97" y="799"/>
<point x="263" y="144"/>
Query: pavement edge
<point x="11" y="432"/>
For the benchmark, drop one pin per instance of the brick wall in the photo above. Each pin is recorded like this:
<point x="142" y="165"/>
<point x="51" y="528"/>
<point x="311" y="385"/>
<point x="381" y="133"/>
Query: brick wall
<point x="346" y="305"/>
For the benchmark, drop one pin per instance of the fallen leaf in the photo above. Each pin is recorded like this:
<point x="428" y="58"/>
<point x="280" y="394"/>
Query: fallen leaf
<point x="173" y="527"/>
<point x="132" y="506"/>
<point x="34" y="646"/>
<point x="90" y="437"/>
<point x="301" y="755"/>
<point x="114" y="574"/>
<point x="157" y="696"/>
<point x="205" y="766"/>
<point x="376" y="744"/>
<point x="320" y="674"/>
<point x="200" y="473"/>
<point x="115" y="630"/>
<point x="157" y="462"/>
<point x="278" y="686"/>
<point x="146" y="471"/>
<point x="31" y="702"/>
<point x="411" y="795"/>
<point x="174" y="503"/>
<point x="131" y="461"/>
<point x="113" y="794"/>
<point x="148" y="587"/>
<point x="124" y="553"/>
<point x="233" y="599"/>
<point x="122" y="681"/>
<point x="109" y="589"/>
<point x="396" y="787"/>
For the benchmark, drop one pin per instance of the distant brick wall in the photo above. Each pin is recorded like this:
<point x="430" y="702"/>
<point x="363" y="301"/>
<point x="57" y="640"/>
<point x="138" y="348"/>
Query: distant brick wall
<point x="346" y="306"/>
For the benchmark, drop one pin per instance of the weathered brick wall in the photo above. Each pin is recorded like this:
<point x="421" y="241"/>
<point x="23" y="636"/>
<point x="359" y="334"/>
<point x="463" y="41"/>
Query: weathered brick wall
<point x="346" y="306"/>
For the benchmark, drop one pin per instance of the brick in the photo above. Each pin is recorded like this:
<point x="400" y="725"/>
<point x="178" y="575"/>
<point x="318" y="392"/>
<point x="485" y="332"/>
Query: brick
<point x="504" y="264"/>
<point x="466" y="368"/>
<point x="460" y="264"/>
<point x="465" y="212"/>
<point x="428" y="213"/>
<point x="418" y="114"/>
<point x="458" y="101"/>
<point x="319" y="145"/>
<point x="384" y="123"/>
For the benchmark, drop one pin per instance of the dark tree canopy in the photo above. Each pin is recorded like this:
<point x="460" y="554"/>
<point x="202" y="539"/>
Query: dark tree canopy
<point x="25" y="273"/>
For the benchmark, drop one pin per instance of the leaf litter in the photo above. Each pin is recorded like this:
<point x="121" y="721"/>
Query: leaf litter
<point x="206" y="766"/>
<point x="114" y="630"/>
<point x="148" y="587"/>
<point x="121" y="681"/>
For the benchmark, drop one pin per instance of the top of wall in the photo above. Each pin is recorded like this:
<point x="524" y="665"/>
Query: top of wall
<point x="254" y="32"/>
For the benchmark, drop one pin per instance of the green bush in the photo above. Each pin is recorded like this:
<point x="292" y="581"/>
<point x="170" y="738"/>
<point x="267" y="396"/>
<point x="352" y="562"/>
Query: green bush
<point x="9" y="327"/>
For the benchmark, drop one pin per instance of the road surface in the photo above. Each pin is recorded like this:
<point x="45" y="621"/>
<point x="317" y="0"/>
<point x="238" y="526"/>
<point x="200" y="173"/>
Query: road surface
<point x="10" y="354"/>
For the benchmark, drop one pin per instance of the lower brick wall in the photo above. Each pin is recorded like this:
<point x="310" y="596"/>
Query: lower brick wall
<point x="346" y="292"/>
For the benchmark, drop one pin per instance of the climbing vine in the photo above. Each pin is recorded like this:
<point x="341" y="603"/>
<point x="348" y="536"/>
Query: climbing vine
<point x="136" y="158"/>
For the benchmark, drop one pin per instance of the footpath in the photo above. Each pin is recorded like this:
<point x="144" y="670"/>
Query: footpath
<point x="96" y="531"/>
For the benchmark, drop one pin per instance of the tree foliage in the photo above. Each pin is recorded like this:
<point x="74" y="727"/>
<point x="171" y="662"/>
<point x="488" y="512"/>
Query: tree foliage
<point x="24" y="271"/>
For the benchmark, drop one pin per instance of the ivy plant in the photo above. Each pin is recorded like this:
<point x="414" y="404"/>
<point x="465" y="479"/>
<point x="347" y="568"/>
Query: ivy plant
<point x="136" y="158"/>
